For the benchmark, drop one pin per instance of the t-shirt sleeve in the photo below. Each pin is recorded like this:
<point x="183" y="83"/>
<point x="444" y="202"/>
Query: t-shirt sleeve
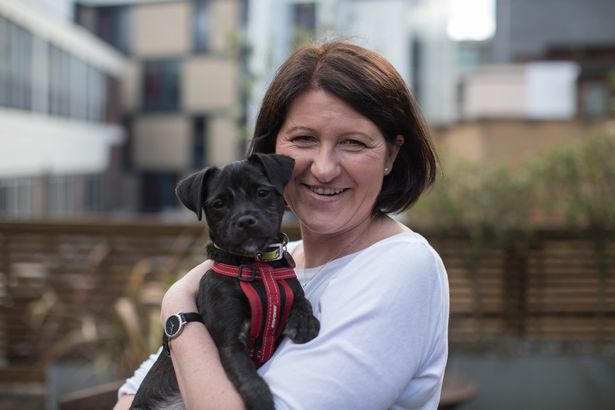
<point x="131" y="385"/>
<point x="383" y="337"/>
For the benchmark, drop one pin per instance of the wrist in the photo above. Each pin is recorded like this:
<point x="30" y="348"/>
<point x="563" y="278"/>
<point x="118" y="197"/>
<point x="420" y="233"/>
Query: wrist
<point x="174" y="326"/>
<point x="175" y="301"/>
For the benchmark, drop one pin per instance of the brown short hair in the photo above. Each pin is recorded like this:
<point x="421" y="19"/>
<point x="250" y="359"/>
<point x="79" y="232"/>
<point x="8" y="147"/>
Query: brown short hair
<point x="370" y="84"/>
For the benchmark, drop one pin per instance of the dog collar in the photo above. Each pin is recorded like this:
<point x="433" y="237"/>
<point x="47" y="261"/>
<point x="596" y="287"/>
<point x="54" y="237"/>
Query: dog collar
<point x="273" y="252"/>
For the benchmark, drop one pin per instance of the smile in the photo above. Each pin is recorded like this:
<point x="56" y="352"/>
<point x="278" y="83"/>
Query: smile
<point x="326" y="191"/>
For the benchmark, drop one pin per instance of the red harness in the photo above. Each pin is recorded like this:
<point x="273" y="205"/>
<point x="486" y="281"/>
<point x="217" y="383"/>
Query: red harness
<point x="270" y="298"/>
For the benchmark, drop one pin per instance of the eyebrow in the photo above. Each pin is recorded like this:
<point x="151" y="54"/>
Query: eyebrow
<point x="299" y="127"/>
<point x="303" y="128"/>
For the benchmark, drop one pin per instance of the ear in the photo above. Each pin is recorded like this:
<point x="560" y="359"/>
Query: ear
<point x="278" y="168"/>
<point x="393" y="150"/>
<point x="192" y="190"/>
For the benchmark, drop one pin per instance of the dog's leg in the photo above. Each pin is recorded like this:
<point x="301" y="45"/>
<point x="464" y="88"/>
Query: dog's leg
<point x="240" y="368"/>
<point x="301" y="326"/>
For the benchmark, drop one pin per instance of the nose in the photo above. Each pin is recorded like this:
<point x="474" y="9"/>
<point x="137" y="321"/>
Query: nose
<point x="325" y="165"/>
<point x="246" y="222"/>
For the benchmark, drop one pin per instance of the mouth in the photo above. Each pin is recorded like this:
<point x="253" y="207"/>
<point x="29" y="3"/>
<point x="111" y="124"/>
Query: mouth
<point x="251" y="244"/>
<point x="325" y="191"/>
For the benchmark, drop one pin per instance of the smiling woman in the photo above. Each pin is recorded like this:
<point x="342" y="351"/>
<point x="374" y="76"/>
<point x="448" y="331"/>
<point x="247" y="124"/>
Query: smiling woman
<point x="361" y="151"/>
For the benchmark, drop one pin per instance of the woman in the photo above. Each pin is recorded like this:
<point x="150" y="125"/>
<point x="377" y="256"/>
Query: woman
<point x="361" y="151"/>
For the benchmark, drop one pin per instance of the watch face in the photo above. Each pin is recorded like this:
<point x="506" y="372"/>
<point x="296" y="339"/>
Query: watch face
<point x="172" y="325"/>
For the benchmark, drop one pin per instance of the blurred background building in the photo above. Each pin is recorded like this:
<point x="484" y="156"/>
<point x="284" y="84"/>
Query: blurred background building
<point x="105" y="104"/>
<point x="59" y="111"/>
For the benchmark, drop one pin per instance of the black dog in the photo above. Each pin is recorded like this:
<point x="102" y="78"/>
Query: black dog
<point x="243" y="207"/>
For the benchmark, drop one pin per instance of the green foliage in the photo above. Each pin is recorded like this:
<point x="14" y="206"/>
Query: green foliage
<point x="571" y="186"/>
<point x="576" y="185"/>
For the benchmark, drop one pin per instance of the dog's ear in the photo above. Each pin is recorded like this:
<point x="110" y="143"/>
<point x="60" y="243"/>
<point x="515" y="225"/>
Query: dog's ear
<point x="192" y="190"/>
<point x="278" y="168"/>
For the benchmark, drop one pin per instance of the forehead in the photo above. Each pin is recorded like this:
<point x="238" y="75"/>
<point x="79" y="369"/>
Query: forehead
<point x="240" y="175"/>
<point x="320" y="108"/>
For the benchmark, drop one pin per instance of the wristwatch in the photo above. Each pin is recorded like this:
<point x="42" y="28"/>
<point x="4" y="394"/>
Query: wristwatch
<point x="174" y="326"/>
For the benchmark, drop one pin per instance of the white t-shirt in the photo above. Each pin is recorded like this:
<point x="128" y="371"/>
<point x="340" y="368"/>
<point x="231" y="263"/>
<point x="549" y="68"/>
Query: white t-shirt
<point x="383" y="340"/>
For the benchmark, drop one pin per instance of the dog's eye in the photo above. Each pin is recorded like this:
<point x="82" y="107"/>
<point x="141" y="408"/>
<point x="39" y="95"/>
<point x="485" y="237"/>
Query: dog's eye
<point x="217" y="204"/>
<point x="263" y="193"/>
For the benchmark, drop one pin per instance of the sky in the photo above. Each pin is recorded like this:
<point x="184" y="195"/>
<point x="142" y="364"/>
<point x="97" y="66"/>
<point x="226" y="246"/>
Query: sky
<point x="471" y="19"/>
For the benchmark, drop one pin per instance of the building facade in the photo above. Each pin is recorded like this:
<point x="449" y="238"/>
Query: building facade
<point x="59" y="89"/>
<point x="182" y="88"/>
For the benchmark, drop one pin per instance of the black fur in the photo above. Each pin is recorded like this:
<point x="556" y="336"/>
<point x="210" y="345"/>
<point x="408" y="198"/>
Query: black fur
<point x="243" y="206"/>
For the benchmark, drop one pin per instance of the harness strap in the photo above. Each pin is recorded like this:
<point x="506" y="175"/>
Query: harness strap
<point x="269" y="309"/>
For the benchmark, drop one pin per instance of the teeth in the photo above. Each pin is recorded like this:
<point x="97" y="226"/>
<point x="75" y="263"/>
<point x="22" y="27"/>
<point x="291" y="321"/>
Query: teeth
<point x="326" y="191"/>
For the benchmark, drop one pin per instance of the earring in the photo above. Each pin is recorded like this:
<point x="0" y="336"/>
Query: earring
<point x="386" y="171"/>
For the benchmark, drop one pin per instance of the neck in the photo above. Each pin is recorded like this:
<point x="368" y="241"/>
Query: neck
<point x="319" y="248"/>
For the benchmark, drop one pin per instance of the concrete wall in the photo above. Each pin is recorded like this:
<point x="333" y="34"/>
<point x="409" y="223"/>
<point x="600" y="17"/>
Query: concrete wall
<point x="511" y="142"/>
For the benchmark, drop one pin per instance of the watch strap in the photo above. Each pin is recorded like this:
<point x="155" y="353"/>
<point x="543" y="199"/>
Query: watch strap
<point x="184" y="319"/>
<point x="191" y="317"/>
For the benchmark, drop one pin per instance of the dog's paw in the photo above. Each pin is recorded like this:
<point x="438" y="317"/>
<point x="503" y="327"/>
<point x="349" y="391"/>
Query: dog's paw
<point x="301" y="327"/>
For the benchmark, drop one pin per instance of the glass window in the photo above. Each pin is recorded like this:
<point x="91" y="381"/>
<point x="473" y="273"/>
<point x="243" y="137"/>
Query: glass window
<point x="96" y="94"/>
<point x="59" y="195"/>
<point x="15" y="66"/>
<point x="78" y="88"/>
<point x="16" y="196"/>
<point x="201" y="25"/>
<point x="59" y="82"/>
<point x="4" y="61"/>
<point x="158" y="191"/>
<point x="304" y="21"/>
<point x="113" y="26"/>
<point x="93" y="198"/>
<point x="199" y="142"/>
<point x="594" y="97"/>
<point x="160" y="85"/>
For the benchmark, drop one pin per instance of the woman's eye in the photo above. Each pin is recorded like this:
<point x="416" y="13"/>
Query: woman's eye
<point x="302" y="139"/>
<point x="262" y="193"/>
<point x="353" y="144"/>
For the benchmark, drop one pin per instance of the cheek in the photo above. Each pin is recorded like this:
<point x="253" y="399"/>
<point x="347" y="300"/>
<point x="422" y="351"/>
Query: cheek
<point x="286" y="149"/>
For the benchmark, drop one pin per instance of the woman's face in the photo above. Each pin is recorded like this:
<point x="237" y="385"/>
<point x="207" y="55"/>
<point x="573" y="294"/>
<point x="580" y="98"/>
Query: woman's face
<point x="340" y="157"/>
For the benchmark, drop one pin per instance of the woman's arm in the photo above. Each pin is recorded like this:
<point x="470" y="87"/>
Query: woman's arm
<point x="202" y="380"/>
<point x="124" y="402"/>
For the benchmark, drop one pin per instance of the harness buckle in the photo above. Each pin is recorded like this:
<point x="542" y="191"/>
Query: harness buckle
<point x="249" y="278"/>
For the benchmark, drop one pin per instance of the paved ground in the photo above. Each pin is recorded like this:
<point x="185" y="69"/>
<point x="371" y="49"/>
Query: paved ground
<point x="538" y="382"/>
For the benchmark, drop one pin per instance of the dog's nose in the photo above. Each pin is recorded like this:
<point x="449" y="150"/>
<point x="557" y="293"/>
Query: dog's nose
<point x="246" y="221"/>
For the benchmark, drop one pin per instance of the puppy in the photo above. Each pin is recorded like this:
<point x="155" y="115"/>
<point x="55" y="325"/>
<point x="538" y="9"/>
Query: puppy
<point x="251" y="298"/>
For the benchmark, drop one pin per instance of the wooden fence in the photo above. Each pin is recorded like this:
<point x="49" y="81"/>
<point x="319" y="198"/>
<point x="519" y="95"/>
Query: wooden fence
<point x="550" y="285"/>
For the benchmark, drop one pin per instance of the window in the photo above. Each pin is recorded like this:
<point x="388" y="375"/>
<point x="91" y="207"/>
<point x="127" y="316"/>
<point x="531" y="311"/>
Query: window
<point x="160" y="85"/>
<point x="93" y="195"/>
<point x="201" y="25"/>
<point x="15" y="65"/>
<point x="97" y="94"/>
<point x="60" y="194"/>
<point x="594" y="99"/>
<point x="416" y="53"/>
<point x="304" y="21"/>
<point x="113" y="26"/>
<point x="16" y="196"/>
<point x="199" y="142"/>
<point x="4" y="61"/>
<point x="59" y="82"/>
<point x="158" y="191"/>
